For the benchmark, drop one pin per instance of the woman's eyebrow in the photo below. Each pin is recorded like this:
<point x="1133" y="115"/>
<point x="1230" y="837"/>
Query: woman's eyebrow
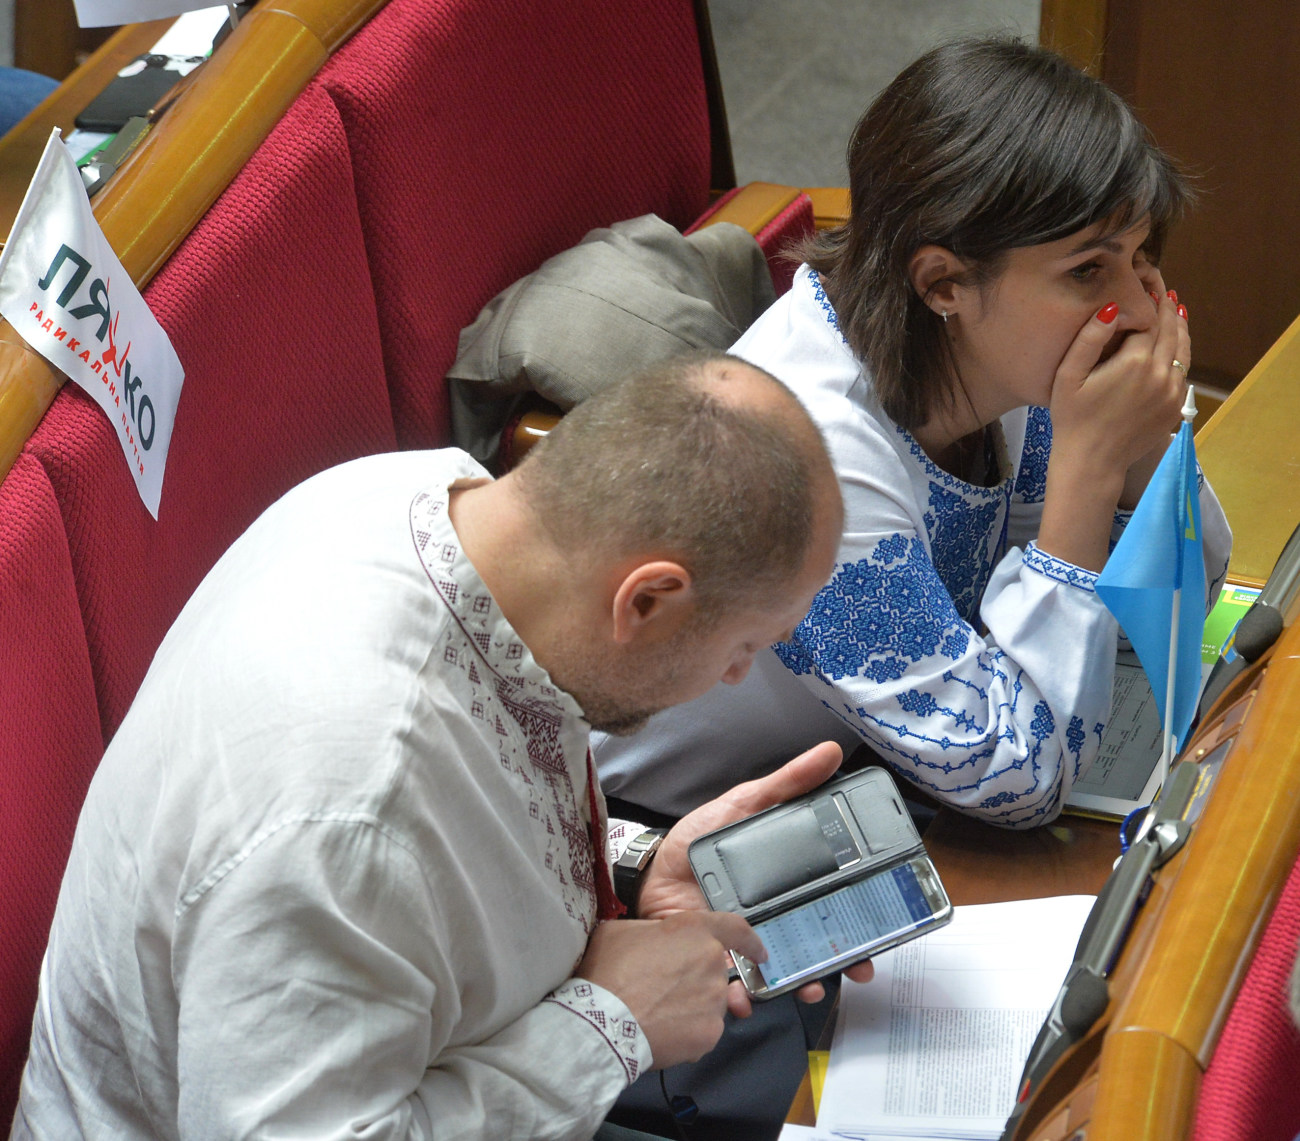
<point x="1110" y="245"/>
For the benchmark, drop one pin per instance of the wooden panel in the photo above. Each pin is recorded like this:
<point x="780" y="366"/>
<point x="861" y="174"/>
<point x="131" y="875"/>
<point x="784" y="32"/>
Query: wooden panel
<point x="1212" y="81"/>
<point x="1076" y="29"/>
<point x="755" y="206"/>
<point x="1244" y="847"/>
<point x="830" y="205"/>
<point x="47" y="38"/>
<point x="1195" y="935"/>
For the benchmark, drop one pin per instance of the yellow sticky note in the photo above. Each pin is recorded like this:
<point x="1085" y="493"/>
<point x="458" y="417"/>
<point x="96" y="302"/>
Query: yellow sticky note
<point x="818" y="1060"/>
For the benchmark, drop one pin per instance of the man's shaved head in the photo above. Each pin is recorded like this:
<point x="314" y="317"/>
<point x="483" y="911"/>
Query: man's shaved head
<point x="707" y="460"/>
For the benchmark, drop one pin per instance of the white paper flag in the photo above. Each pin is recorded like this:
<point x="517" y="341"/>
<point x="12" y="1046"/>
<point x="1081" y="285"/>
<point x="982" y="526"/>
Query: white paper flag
<point x="66" y="294"/>
<point x="102" y="13"/>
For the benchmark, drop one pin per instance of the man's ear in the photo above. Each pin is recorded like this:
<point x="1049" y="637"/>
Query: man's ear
<point x="652" y="598"/>
<point x="934" y="272"/>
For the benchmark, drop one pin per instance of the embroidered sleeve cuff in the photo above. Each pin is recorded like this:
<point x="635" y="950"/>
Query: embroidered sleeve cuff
<point x="606" y="1014"/>
<point x="1058" y="570"/>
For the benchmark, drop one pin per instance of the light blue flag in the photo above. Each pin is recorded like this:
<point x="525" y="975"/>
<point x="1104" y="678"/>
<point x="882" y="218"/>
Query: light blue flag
<point x="1160" y="552"/>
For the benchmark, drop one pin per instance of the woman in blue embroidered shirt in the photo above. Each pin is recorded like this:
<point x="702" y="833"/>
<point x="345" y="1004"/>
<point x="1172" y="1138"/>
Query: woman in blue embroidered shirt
<point x="997" y="365"/>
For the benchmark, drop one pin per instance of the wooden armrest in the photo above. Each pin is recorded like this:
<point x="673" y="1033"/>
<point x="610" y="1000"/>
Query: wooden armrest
<point x="830" y="205"/>
<point x="524" y="431"/>
<point x="754" y="205"/>
<point x="758" y="203"/>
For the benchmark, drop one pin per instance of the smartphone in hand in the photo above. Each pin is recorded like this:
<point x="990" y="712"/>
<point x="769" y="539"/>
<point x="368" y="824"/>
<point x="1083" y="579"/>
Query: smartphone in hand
<point x="826" y="880"/>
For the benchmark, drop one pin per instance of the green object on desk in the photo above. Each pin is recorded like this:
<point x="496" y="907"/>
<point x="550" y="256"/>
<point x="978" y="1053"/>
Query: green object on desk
<point x="1221" y="624"/>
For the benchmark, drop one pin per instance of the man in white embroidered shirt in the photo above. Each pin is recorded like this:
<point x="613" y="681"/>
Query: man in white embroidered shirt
<point x="342" y="870"/>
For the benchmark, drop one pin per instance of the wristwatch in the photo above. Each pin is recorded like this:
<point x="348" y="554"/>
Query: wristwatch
<point x="632" y="865"/>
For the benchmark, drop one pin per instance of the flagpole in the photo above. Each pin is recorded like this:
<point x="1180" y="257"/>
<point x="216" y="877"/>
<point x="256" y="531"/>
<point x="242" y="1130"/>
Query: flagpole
<point x="1167" y="747"/>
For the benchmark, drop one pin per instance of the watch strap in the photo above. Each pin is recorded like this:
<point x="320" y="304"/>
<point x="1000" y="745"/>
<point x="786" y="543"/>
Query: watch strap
<point x="632" y="865"/>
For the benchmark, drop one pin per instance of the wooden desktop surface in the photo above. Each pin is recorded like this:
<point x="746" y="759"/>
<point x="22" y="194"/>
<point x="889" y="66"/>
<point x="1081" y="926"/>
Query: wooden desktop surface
<point x="1250" y="452"/>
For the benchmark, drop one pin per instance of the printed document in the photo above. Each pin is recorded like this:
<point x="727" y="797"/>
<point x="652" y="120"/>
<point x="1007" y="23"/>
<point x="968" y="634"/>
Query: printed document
<point x="934" y="1045"/>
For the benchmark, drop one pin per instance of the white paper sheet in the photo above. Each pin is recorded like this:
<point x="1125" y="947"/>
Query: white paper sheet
<point x="102" y="13"/>
<point x="934" y="1045"/>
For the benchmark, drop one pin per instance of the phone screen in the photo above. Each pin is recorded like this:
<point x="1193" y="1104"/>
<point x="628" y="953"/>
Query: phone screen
<point x="848" y="919"/>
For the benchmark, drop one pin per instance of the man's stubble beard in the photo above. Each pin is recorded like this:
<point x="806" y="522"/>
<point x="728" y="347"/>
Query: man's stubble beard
<point x="618" y="696"/>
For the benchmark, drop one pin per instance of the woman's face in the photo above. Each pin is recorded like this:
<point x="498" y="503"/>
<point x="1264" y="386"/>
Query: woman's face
<point x="1012" y="333"/>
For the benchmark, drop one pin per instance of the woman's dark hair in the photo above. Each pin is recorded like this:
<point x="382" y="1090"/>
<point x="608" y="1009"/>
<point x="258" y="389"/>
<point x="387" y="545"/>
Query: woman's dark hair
<point x="980" y="146"/>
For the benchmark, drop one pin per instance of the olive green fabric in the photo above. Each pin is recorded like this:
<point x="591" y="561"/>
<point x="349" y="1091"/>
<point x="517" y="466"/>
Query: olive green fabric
<point x="622" y="299"/>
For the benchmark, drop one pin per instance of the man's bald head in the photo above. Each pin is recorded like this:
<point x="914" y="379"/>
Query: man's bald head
<point x="707" y="460"/>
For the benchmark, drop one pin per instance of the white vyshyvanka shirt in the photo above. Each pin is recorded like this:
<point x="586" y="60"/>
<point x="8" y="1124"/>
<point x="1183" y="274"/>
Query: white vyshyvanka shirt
<point x="979" y="667"/>
<point x="335" y="872"/>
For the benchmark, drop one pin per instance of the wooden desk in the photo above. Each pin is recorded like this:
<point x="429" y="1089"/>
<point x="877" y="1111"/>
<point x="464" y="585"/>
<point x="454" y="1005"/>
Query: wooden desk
<point x="1250" y="451"/>
<point x="20" y="149"/>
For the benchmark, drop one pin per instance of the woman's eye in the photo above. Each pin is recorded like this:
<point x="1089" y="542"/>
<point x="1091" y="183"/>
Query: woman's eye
<point x="1085" y="271"/>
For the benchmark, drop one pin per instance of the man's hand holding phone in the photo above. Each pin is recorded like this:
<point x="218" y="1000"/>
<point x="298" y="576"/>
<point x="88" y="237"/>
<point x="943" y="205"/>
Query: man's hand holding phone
<point x="671" y="973"/>
<point x="670" y="886"/>
<point x="829" y="874"/>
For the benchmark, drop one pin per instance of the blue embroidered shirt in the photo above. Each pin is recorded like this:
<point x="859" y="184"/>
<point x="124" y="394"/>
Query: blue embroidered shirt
<point x="978" y="666"/>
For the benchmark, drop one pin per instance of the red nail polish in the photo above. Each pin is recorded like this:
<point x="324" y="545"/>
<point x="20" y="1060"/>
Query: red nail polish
<point x="1182" y="312"/>
<point x="1108" y="313"/>
<point x="1154" y="296"/>
<point x="1173" y="296"/>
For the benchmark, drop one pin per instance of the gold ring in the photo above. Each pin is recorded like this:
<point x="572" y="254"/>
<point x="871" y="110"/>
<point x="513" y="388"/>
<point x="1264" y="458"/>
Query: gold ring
<point x="1181" y="368"/>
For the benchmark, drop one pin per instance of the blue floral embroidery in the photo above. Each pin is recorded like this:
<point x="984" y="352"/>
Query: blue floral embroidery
<point x="936" y="474"/>
<point x="1044" y="724"/>
<point x="815" y="279"/>
<point x="1041" y="729"/>
<point x="878" y="616"/>
<point x="967" y="528"/>
<point x="923" y="704"/>
<point x="959" y="544"/>
<point x="1075" y="738"/>
<point x="1058" y="569"/>
<point x="914" y="701"/>
<point x="1031" y="482"/>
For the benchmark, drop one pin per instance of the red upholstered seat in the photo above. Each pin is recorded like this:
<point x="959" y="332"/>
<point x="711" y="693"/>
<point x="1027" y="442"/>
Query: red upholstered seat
<point x="50" y="731"/>
<point x="1251" y="1090"/>
<point x="269" y="305"/>
<point x="483" y="143"/>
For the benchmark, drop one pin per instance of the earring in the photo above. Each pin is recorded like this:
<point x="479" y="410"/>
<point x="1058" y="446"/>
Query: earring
<point x="944" y="314"/>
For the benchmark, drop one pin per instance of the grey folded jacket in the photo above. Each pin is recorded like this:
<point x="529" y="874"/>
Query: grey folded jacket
<point x="622" y="299"/>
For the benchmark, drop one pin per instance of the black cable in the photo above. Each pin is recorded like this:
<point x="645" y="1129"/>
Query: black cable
<point x="681" y="1109"/>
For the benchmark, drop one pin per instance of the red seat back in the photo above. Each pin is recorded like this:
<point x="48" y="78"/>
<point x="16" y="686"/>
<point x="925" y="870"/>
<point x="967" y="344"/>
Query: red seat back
<point x="51" y="741"/>
<point x="268" y="303"/>
<point x="487" y="137"/>
<point x="1251" y="1090"/>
